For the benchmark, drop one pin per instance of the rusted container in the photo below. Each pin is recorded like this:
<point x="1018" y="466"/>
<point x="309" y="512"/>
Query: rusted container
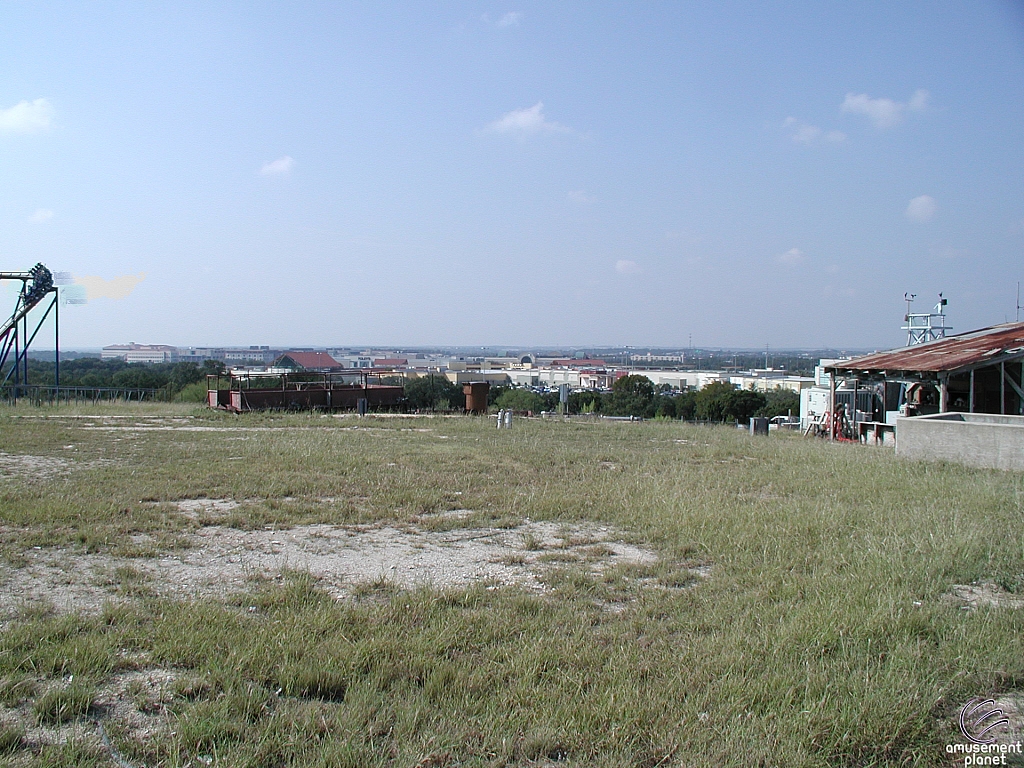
<point x="476" y="396"/>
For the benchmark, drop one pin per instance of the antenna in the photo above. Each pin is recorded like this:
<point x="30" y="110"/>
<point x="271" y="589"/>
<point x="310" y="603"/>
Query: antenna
<point x="909" y="298"/>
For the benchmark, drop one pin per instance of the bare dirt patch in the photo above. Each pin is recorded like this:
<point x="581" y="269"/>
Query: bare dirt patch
<point x="984" y="593"/>
<point x="194" y="508"/>
<point x="37" y="467"/>
<point x="131" y="703"/>
<point x="219" y="560"/>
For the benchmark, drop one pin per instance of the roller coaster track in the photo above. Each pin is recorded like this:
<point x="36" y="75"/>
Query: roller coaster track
<point x="37" y="284"/>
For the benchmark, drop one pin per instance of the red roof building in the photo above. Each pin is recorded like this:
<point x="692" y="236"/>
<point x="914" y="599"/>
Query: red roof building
<point x="308" y="361"/>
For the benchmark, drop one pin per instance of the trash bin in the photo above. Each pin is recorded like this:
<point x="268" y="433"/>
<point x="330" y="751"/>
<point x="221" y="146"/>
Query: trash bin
<point x="759" y="425"/>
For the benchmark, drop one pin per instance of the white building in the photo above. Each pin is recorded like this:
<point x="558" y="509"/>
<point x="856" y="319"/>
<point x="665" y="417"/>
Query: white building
<point x="140" y="353"/>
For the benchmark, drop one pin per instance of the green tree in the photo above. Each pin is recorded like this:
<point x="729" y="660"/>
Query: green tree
<point x="495" y="392"/>
<point x="433" y="393"/>
<point x="686" y="405"/>
<point x="183" y="374"/>
<point x="212" y="367"/>
<point x="585" y="401"/>
<point x="780" y="402"/>
<point x="722" y="401"/>
<point x="712" y="401"/>
<point x="664" y="407"/>
<point x="140" y="377"/>
<point x="631" y="395"/>
<point x="520" y="400"/>
<point x="744" y="404"/>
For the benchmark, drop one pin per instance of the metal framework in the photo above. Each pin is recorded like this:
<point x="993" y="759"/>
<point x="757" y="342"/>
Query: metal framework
<point x="923" y="327"/>
<point x="36" y="286"/>
<point x="302" y="390"/>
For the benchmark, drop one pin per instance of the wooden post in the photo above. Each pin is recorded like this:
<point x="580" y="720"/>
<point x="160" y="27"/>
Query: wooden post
<point x="971" y="407"/>
<point x="943" y="394"/>
<point x="856" y="390"/>
<point x="832" y="405"/>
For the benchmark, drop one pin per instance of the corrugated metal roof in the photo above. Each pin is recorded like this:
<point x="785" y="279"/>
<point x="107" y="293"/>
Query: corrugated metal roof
<point x="965" y="350"/>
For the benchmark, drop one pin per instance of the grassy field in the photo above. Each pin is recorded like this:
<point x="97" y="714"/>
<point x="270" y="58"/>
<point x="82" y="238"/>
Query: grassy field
<point x="822" y="631"/>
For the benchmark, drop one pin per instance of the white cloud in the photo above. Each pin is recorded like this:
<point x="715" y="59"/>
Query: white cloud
<point x="884" y="113"/>
<point x="26" y="117"/>
<point x="41" y="216"/>
<point x="792" y="257"/>
<point x="919" y="101"/>
<point x="279" y="167"/>
<point x="527" y="121"/>
<point x="510" y="19"/>
<point x="626" y="267"/>
<point x="115" y="288"/>
<point x="580" y="196"/>
<point x="921" y="208"/>
<point x="803" y="133"/>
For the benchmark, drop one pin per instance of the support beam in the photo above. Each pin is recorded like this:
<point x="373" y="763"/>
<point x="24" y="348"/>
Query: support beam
<point x="1007" y="379"/>
<point x="1002" y="388"/>
<point x="943" y="394"/>
<point x="970" y="408"/>
<point x="832" y="406"/>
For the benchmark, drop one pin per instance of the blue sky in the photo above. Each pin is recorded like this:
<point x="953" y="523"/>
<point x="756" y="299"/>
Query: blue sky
<point x="515" y="174"/>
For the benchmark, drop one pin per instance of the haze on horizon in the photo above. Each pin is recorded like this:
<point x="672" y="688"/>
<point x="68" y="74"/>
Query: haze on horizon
<point x="514" y="174"/>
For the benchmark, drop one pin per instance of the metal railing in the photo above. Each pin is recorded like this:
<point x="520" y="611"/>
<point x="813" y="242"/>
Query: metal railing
<point x="49" y="395"/>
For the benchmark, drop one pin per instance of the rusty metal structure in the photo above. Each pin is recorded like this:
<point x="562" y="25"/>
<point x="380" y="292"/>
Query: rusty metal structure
<point x="333" y="391"/>
<point x="476" y="396"/>
<point x="980" y="371"/>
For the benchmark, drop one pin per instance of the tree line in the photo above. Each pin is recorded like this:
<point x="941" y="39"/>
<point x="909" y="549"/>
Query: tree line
<point x="634" y="395"/>
<point x="186" y="380"/>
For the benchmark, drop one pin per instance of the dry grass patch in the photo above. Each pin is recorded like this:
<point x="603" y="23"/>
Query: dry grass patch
<point x="729" y="601"/>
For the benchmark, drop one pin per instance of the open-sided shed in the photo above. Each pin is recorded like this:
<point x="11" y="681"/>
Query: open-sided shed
<point x="976" y="372"/>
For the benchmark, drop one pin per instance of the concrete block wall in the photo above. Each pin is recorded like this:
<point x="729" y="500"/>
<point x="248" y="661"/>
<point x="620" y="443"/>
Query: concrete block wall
<point x="976" y="439"/>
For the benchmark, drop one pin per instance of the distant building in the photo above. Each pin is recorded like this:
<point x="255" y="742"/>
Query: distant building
<point x="650" y="359"/>
<point x="140" y="353"/>
<point x="319" y="362"/>
<point x="232" y="356"/>
<point x="580" y="363"/>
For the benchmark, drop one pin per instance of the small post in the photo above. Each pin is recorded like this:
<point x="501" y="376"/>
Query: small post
<point x="508" y="419"/>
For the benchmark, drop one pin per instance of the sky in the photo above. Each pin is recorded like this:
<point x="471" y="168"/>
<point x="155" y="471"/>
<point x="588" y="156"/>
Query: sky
<point x="525" y="174"/>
